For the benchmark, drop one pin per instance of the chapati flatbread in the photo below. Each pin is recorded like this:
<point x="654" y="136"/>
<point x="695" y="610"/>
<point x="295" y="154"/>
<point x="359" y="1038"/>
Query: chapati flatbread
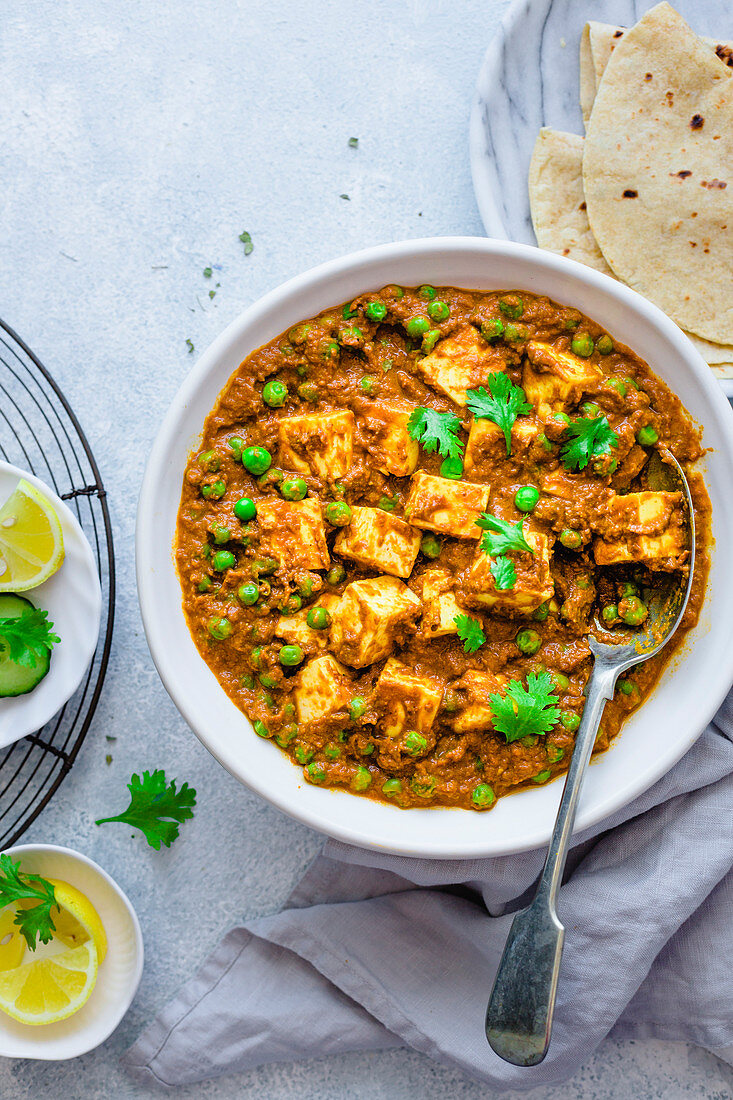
<point x="656" y="166"/>
<point x="561" y="225"/>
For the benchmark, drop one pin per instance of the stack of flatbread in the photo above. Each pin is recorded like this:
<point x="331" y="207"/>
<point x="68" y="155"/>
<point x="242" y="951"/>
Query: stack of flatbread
<point x="647" y="195"/>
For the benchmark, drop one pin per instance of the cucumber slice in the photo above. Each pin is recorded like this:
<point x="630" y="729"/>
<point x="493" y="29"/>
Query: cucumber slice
<point x="16" y="679"/>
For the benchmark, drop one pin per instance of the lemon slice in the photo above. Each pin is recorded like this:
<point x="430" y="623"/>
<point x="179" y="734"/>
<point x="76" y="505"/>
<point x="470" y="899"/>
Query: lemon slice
<point x="76" y="919"/>
<point x="31" y="539"/>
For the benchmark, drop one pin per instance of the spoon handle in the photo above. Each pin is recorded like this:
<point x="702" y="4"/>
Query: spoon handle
<point x="519" y="1016"/>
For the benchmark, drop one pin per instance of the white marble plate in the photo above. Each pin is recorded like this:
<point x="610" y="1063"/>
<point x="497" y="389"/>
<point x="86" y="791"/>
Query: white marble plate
<point x="73" y="599"/>
<point x="530" y="79"/>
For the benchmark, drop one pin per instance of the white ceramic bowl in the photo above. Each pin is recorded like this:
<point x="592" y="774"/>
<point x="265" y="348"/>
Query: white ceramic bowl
<point x="693" y="684"/>
<point x="73" y="599"/>
<point x="119" y="975"/>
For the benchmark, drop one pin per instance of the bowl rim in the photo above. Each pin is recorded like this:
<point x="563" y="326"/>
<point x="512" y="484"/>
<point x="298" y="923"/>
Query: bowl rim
<point x="338" y="826"/>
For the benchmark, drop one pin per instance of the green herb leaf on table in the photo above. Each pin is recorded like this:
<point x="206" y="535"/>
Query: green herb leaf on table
<point x="156" y="807"/>
<point x="246" y="240"/>
<point x="501" y="537"/>
<point x="522" y="712"/>
<point x="587" y="438"/>
<point x="436" y="431"/>
<point x="27" y="637"/>
<point x="15" y="886"/>
<point x="470" y="632"/>
<point x="503" y="404"/>
<point x="503" y="572"/>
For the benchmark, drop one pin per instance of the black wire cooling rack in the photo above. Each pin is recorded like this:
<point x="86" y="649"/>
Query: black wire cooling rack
<point x="40" y="433"/>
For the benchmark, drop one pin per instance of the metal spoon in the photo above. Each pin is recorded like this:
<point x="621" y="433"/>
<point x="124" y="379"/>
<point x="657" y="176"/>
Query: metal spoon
<point x="519" y="1016"/>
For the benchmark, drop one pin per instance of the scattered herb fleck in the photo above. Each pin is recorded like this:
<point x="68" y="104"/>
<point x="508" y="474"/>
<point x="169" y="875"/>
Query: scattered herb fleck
<point x="208" y="272"/>
<point x="347" y="197"/>
<point x="353" y="143"/>
<point x="246" y="240"/>
<point x="189" y="345"/>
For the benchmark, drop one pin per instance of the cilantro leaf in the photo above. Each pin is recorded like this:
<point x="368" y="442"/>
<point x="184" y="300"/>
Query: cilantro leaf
<point x="503" y="572"/>
<point x="502" y="537"/>
<point x="16" y="886"/>
<point x="27" y="637"/>
<point x="246" y="240"/>
<point x="502" y="405"/>
<point x="436" y="431"/>
<point x="156" y="807"/>
<point x="470" y="632"/>
<point x="523" y="712"/>
<point x="587" y="438"/>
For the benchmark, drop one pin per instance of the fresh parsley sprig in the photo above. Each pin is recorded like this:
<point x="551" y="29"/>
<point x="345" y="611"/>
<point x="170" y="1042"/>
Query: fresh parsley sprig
<point x="503" y="572"/>
<point x="526" y="712"/>
<point x="27" y="637"/>
<point x="34" y="921"/>
<point x="503" y="404"/>
<point x="587" y="438"/>
<point x="156" y="807"/>
<point x="436" y="431"/>
<point x="470" y="632"/>
<point x="501" y="537"/>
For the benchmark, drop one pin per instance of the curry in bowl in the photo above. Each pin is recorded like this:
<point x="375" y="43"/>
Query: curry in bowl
<point x="405" y="519"/>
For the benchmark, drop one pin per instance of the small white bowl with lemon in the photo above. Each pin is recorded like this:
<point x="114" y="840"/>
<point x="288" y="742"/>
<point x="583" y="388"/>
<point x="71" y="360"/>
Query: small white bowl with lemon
<point x="45" y="558"/>
<point x="67" y="996"/>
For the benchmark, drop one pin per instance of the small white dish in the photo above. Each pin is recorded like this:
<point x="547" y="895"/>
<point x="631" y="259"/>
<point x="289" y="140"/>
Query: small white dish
<point x="119" y="975"/>
<point x="73" y="599"/>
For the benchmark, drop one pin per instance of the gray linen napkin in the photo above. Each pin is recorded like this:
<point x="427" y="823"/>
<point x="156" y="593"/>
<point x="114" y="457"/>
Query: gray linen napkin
<point x="378" y="951"/>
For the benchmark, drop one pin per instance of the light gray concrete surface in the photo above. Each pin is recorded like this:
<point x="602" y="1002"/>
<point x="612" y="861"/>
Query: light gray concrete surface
<point x="137" y="140"/>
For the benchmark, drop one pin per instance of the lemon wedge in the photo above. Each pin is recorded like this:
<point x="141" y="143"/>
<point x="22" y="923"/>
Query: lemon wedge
<point x="31" y="539"/>
<point x="53" y="987"/>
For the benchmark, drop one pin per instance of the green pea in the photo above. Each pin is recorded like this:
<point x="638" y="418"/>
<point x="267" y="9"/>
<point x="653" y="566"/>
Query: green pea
<point x="248" y="594"/>
<point x="302" y="753"/>
<point x="628" y="588"/>
<point x="245" y="509"/>
<point x="415" y="743"/>
<point x="293" y="488"/>
<point x="376" y="311"/>
<point x="263" y="567"/>
<point x="368" y="749"/>
<point x="526" y="498"/>
<point x="291" y="604"/>
<point x="540" y="613"/>
<point x="271" y="478"/>
<point x="261" y="729"/>
<point x="221" y="534"/>
<point x="336" y="574"/>
<point x="423" y="785"/>
<point x="290" y="656"/>
<point x="571" y="540"/>
<point x="308" y="392"/>
<point x="393" y="291"/>
<point x="626" y="687"/>
<point x="582" y="345"/>
<point x="275" y="393"/>
<point x="571" y="324"/>
<point x="516" y="334"/>
<point x="247" y="681"/>
<point x="560" y="418"/>
<point x="204" y="584"/>
<point x="362" y="779"/>
<point x="590" y="409"/>
<point x="438" y="310"/>
<point x="483" y="796"/>
<point x="647" y="436"/>
<point x="210" y="461"/>
<point x="306" y="586"/>
<point x="618" y="385"/>
<point x="542" y="777"/>
<point x="315" y="773"/>
<point x="357" y="708"/>
<point x="368" y="385"/>
<point x="387" y="504"/>
<point x="219" y="628"/>
<point x="298" y="334"/>
<point x="528" y="642"/>
<point x="570" y="720"/>
<point x="632" y="611"/>
<point x="560" y="681"/>
<point x="451" y="701"/>
<point x="492" y="330"/>
<point x="255" y="657"/>
<point x="529" y="741"/>
<point x="223" y="559"/>
<point x="546" y="444"/>
<point x="452" y="468"/>
<point x="512" y="307"/>
<point x="256" y="459"/>
<point x="430" y="546"/>
<point x="604" y="465"/>
<point x="236" y="444"/>
<point x="267" y="680"/>
<point x="330" y="350"/>
<point x="426" y="292"/>
<point x="392" y="788"/>
<point x="417" y="327"/>
<point x="350" y="335"/>
<point x="214" y="491"/>
<point x="332" y="752"/>
<point x="430" y="339"/>
<point x="338" y="513"/>
<point x="348" y="313"/>
<point x="318" y="618"/>
<point x="631" y="384"/>
<point x="555" y="754"/>
<point x="609" y="614"/>
<point x="605" y="345"/>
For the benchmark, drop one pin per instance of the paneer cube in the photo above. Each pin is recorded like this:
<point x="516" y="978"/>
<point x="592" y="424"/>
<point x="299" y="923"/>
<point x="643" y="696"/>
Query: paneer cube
<point x="486" y="444"/>
<point x="292" y="531"/>
<point x="380" y="541"/>
<point x="294" y="629"/>
<point x="439" y="604"/>
<point x="554" y="378"/>
<point x="318" y="443"/>
<point x="370" y="618"/>
<point x="648" y="527"/>
<point x="383" y="430"/>
<point x="476" y="713"/>
<point x="323" y="687"/>
<point x="405" y="700"/>
<point x="460" y="362"/>
<point x="534" y="582"/>
<point x="449" y="507"/>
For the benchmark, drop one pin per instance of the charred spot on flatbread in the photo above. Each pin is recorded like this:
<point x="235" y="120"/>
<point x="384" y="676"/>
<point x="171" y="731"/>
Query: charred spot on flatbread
<point x="697" y="122"/>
